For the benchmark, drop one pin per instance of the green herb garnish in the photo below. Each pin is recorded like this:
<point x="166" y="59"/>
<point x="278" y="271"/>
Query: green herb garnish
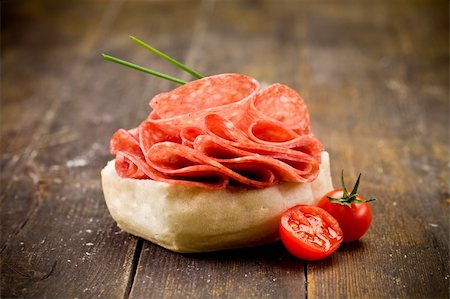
<point x="142" y="69"/>
<point x="166" y="57"/>
<point x="150" y="71"/>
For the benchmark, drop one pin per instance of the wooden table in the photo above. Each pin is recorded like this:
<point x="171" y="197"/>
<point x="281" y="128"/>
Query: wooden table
<point x="374" y="75"/>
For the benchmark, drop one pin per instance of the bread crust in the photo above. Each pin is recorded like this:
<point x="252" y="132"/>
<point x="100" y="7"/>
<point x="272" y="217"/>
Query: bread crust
<point x="191" y="219"/>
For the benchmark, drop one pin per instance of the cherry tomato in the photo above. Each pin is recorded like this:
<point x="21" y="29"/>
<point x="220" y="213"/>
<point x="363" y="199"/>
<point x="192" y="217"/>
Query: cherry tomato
<point x="309" y="232"/>
<point x="350" y="209"/>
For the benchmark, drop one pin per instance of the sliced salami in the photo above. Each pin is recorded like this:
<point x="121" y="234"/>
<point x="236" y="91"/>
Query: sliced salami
<point x="199" y="95"/>
<point x="151" y="133"/>
<point x="265" y="137"/>
<point x="123" y="140"/>
<point x="206" y="179"/>
<point x="176" y="160"/>
<point x="230" y="156"/>
<point x="127" y="168"/>
<point x="188" y="135"/>
<point x="281" y="103"/>
<point x="220" y="131"/>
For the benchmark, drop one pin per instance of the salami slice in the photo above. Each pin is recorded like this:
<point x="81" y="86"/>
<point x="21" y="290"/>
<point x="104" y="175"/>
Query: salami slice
<point x="265" y="137"/>
<point x="153" y="115"/>
<point x="223" y="128"/>
<point x="123" y="140"/>
<point x="266" y="131"/>
<point x="233" y="157"/>
<point x="174" y="112"/>
<point x="280" y="103"/>
<point x="188" y="135"/>
<point x="273" y="134"/>
<point x="127" y="168"/>
<point x="202" y="94"/>
<point x="220" y="131"/>
<point x="151" y="133"/>
<point x="206" y="179"/>
<point x="176" y="160"/>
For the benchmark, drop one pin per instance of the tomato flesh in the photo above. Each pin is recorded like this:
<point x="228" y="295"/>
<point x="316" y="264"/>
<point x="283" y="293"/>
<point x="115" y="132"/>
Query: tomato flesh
<point x="309" y="233"/>
<point x="354" y="220"/>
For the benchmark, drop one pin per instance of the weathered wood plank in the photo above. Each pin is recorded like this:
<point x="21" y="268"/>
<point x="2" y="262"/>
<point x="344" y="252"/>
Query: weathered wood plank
<point x="68" y="246"/>
<point x="383" y="70"/>
<point x="259" y="39"/>
<point x="33" y="63"/>
<point x="265" y="271"/>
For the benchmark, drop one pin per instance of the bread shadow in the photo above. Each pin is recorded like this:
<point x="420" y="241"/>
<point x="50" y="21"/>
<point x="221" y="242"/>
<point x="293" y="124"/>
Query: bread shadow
<point x="273" y="254"/>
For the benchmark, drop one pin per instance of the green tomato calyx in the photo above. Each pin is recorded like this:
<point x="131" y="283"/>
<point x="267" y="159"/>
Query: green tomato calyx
<point x="349" y="198"/>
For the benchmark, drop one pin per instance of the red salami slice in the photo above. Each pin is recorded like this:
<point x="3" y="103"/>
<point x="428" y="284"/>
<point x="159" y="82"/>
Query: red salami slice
<point x="186" y="106"/>
<point x="130" y="163"/>
<point x="123" y="140"/>
<point x="233" y="157"/>
<point x="188" y="135"/>
<point x="266" y="131"/>
<point x="273" y="134"/>
<point x="265" y="137"/>
<point x="223" y="128"/>
<point x="220" y="131"/>
<point x="127" y="168"/>
<point x="280" y="103"/>
<point x="202" y="94"/>
<point x="176" y="160"/>
<point x="151" y="133"/>
<point x="153" y="115"/>
<point x="210" y="180"/>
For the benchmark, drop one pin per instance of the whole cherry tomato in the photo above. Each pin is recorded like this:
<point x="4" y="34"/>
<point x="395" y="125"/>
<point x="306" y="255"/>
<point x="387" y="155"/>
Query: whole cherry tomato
<point x="350" y="209"/>
<point x="309" y="232"/>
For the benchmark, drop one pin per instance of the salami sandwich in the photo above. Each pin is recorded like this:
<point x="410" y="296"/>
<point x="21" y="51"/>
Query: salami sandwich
<point x="215" y="164"/>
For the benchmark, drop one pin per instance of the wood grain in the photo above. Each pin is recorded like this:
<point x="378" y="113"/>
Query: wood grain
<point x="394" y="98"/>
<point x="34" y="62"/>
<point x="265" y="271"/>
<point x="374" y="76"/>
<point x="66" y="245"/>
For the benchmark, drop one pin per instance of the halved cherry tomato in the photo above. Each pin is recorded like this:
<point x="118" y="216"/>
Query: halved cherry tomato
<point x="309" y="232"/>
<point x="350" y="209"/>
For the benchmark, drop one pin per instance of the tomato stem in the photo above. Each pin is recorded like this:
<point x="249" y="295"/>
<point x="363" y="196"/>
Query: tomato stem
<point x="348" y="199"/>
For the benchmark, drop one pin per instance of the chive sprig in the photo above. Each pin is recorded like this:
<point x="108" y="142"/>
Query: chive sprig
<point x="167" y="57"/>
<point x="142" y="69"/>
<point x="150" y="71"/>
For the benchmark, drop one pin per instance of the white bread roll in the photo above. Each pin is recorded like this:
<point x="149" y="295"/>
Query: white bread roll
<point x="191" y="219"/>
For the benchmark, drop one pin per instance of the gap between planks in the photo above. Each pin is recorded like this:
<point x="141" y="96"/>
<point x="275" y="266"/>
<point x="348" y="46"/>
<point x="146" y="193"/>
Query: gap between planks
<point x="306" y="278"/>
<point x="134" y="267"/>
<point x="198" y="36"/>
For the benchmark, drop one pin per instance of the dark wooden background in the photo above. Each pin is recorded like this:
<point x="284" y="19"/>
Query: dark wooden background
<point x="375" y="77"/>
